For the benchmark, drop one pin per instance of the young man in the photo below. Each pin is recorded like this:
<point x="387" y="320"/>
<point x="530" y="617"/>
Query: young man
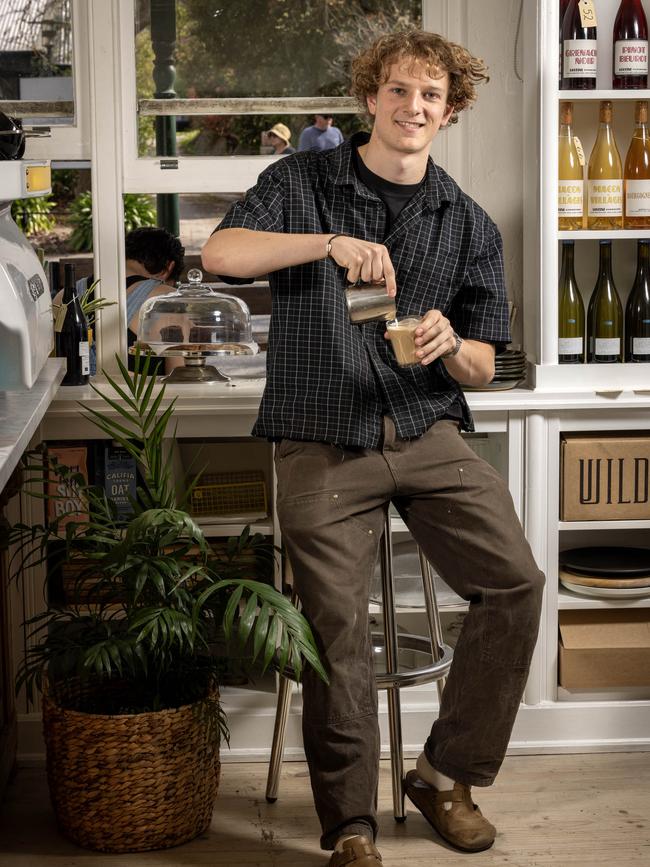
<point x="355" y="431"/>
<point x="321" y="135"/>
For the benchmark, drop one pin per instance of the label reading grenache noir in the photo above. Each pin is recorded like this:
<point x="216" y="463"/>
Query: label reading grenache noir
<point x="631" y="57"/>
<point x="570" y="198"/>
<point x="637" y="198"/>
<point x="580" y="58"/>
<point x="606" y="198"/>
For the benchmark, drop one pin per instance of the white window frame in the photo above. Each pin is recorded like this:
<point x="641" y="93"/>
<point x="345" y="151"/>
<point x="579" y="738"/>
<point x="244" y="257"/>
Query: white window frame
<point x="71" y="142"/>
<point x="225" y="174"/>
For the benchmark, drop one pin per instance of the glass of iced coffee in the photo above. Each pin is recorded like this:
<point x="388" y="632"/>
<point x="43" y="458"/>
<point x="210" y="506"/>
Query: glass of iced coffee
<point x="401" y="333"/>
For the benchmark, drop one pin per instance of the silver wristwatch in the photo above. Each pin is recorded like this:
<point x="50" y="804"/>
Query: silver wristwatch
<point x="456" y="349"/>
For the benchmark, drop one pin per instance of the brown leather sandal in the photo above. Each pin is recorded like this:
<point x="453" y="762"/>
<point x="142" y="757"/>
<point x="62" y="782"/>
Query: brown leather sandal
<point x="464" y="826"/>
<point x="358" y="851"/>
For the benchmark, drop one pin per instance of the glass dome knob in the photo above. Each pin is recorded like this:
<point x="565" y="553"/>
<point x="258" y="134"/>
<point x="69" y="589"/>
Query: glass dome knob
<point x="194" y="276"/>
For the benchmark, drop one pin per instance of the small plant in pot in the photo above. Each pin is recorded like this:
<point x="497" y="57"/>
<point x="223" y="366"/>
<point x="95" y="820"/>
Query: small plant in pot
<point x="131" y="712"/>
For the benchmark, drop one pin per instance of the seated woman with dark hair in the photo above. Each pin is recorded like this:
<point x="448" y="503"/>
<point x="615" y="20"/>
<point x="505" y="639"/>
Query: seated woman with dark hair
<point x="154" y="262"/>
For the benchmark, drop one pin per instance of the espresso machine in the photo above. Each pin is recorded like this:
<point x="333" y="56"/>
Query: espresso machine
<point x="26" y="332"/>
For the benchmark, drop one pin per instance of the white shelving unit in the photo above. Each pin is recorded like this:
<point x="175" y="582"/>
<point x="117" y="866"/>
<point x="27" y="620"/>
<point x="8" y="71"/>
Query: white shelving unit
<point x="541" y="312"/>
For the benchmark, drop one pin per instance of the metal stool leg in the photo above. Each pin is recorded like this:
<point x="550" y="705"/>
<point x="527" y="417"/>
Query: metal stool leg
<point x="433" y="615"/>
<point x="277" y="745"/>
<point x="392" y="666"/>
<point x="279" y="731"/>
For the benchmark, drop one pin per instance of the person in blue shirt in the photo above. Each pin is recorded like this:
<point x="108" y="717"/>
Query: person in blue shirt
<point x="321" y="135"/>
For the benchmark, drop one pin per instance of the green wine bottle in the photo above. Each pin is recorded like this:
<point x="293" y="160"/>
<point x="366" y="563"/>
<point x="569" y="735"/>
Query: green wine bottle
<point x="637" y="309"/>
<point x="605" y="314"/>
<point x="571" y="313"/>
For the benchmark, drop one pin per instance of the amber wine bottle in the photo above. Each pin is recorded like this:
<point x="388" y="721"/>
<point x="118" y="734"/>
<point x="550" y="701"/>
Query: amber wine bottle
<point x="571" y="312"/>
<point x="605" y="314"/>
<point x="637" y="309"/>
<point x="605" y="177"/>
<point x="637" y="172"/>
<point x="570" y="192"/>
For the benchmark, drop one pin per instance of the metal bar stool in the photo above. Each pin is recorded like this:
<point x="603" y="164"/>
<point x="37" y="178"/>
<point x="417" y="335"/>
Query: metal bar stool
<point x="391" y="680"/>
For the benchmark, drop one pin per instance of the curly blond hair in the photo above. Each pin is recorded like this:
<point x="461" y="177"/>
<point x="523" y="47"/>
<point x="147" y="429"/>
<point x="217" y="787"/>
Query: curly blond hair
<point x="435" y="53"/>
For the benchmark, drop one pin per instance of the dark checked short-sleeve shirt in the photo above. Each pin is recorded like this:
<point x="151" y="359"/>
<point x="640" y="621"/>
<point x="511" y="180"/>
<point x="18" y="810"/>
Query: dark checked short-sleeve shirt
<point x="330" y="380"/>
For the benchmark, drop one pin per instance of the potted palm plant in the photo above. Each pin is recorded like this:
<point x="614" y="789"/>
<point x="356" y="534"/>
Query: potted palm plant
<point x="131" y="712"/>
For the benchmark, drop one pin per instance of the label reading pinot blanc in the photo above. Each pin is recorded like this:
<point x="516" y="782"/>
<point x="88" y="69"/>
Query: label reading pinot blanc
<point x="580" y="58"/>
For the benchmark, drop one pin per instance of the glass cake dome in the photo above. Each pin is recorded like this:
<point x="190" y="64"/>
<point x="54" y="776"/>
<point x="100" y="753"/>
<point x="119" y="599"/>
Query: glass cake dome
<point x="195" y="322"/>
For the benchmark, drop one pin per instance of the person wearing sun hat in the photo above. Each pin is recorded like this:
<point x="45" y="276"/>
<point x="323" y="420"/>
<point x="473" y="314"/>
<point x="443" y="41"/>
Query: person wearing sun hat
<point x="278" y="137"/>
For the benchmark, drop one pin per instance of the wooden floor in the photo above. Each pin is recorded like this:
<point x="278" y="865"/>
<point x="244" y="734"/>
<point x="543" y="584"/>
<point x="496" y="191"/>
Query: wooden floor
<point x="565" y="811"/>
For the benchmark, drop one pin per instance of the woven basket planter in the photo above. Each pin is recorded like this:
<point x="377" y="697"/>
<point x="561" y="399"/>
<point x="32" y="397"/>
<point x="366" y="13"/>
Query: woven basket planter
<point x="129" y="782"/>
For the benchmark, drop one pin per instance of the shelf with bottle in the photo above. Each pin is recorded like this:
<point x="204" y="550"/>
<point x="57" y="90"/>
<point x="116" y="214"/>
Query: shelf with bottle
<point x="605" y="331"/>
<point x="603" y="45"/>
<point x="616" y="193"/>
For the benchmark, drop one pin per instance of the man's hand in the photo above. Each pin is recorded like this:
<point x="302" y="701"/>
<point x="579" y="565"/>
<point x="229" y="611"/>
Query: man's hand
<point x="365" y="261"/>
<point x="434" y="337"/>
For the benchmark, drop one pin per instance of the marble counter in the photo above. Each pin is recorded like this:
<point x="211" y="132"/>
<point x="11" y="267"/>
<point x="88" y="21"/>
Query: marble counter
<point x="21" y="412"/>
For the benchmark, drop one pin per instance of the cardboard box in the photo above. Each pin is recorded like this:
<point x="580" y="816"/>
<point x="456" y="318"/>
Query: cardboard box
<point x="604" y="648"/>
<point x="605" y="477"/>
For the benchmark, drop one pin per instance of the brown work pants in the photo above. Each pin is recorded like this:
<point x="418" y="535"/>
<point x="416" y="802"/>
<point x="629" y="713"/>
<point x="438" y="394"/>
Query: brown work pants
<point x="331" y="503"/>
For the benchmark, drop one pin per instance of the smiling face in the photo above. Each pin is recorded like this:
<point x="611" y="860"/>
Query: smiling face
<point x="409" y="108"/>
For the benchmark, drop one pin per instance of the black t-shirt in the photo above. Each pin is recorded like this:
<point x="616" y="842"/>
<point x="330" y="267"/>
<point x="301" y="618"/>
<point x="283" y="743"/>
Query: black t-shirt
<point x="395" y="197"/>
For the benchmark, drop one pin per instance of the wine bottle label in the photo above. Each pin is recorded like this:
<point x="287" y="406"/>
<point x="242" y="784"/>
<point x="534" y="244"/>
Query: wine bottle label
<point x="641" y="345"/>
<point x="580" y="58"/>
<point x="605" y="198"/>
<point x="607" y="345"/>
<point x="637" y="198"/>
<point x="631" y="57"/>
<point x="569" y="198"/>
<point x="84" y="355"/>
<point x="570" y="346"/>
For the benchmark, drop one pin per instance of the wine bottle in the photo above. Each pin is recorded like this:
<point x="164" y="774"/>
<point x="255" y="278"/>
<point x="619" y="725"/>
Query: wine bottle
<point x="637" y="309"/>
<point x="571" y="312"/>
<point x="563" y="7"/>
<point x="71" y="331"/>
<point x="637" y="172"/>
<point x="579" y="52"/>
<point x="570" y="193"/>
<point x="605" y="314"/>
<point x="605" y="177"/>
<point x="630" y="60"/>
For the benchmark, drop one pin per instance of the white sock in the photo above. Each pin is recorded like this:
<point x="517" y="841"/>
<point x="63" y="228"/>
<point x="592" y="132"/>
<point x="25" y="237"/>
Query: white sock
<point x="341" y="841"/>
<point x="433" y="777"/>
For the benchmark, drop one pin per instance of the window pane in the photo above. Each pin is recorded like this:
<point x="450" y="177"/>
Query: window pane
<point x="36" y="54"/>
<point x="260" y="48"/>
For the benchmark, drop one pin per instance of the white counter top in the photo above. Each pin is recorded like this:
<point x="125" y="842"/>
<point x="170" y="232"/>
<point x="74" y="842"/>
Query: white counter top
<point x="245" y="394"/>
<point x="22" y="411"/>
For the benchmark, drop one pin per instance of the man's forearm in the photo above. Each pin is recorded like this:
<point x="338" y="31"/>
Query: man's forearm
<point x="248" y="253"/>
<point x="474" y="364"/>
